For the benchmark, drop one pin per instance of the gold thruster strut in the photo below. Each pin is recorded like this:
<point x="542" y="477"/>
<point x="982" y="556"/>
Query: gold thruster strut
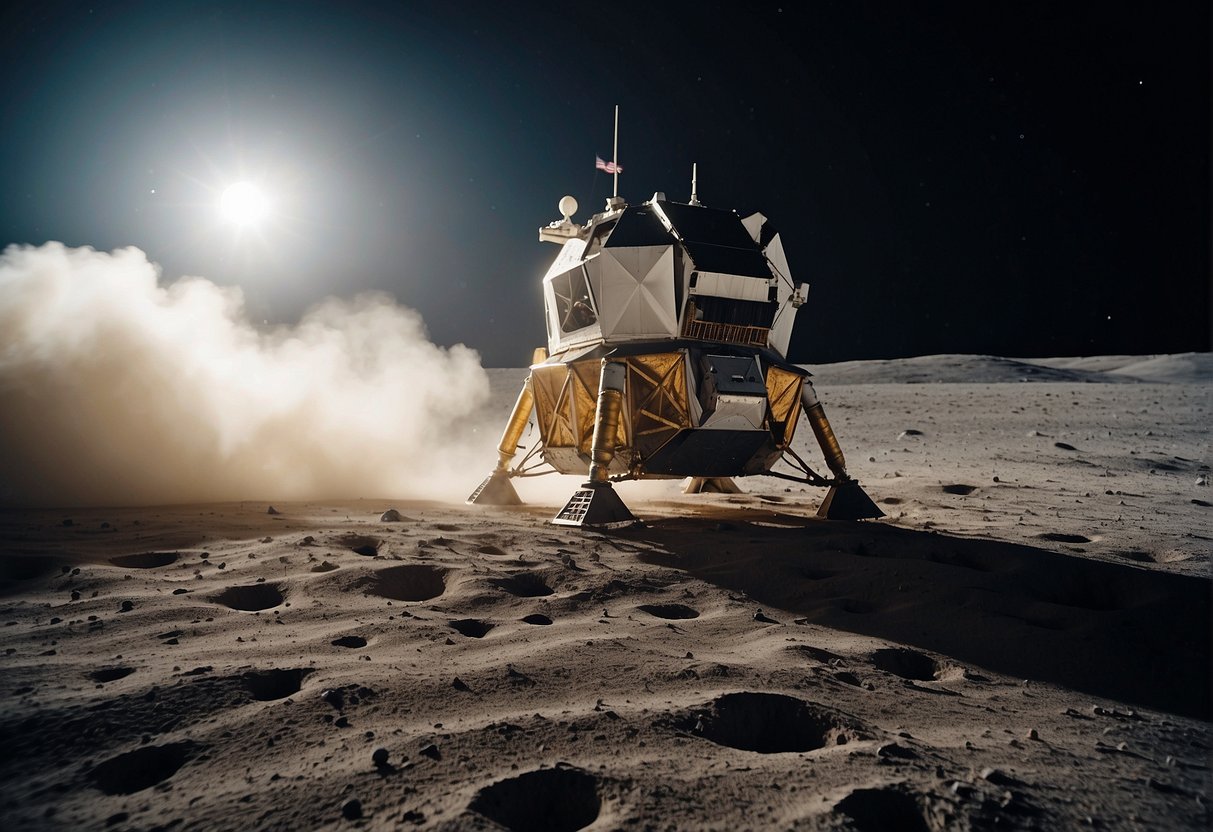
<point x="830" y="448"/>
<point x="606" y="425"/>
<point x="517" y="424"/>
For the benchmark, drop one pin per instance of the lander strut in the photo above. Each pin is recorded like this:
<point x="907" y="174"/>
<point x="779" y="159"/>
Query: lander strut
<point x="668" y="324"/>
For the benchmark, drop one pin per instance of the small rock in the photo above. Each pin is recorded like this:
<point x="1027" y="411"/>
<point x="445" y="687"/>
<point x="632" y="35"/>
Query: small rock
<point x="432" y="752"/>
<point x="763" y="618"/>
<point x="568" y="561"/>
<point x="334" y="698"/>
<point x="379" y="757"/>
<point x="127" y="606"/>
<point x="352" y="808"/>
<point x="308" y="540"/>
<point x="391" y="516"/>
<point x="1203" y="480"/>
<point x="75" y="595"/>
<point x="272" y="510"/>
<point x="1065" y="446"/>
<point x="342" y="722"/>
<point x="459" y="684"/>
<point x="1033" y="734"/>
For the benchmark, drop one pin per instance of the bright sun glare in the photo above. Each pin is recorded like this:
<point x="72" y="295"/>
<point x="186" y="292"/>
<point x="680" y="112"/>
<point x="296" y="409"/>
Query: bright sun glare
<point x="243" y="204"/>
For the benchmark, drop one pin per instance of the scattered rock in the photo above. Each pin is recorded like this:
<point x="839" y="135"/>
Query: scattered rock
<point x="334" y="697"/>
<point x="1065" y="446"/>
<point x="431" y="751"/>
<point x="763" y="618"/>
<point x="379" y="757"/>
<point x="352" y="808"/>
<point x="127" y="606"/>
<point x="391" y="516"/>
<point x="272" y="510"/>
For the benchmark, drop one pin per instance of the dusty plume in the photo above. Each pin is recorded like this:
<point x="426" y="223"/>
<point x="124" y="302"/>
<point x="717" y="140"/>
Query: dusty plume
<point x="115" y="389"/>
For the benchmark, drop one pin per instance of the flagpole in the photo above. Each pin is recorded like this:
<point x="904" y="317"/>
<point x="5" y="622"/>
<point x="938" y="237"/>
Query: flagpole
<point x="615" y="151"/>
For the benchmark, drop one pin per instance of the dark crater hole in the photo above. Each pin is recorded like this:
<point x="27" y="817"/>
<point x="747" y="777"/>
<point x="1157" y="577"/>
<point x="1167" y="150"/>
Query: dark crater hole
<point x="267" y="685"/>
<point x="251" y="598"/>
<point x="409" y="583"/>
<point x="110" y="674"/>
<point x="906" y="663"/>
<point x="362" y="545"/>
<point x="560" y="799"/>
<point x="145" y="560"/>
<point x="471" y="627"/>
<point x="958" y="488"/>
<point x="525" y="585"/>
<point x="537" y="618"/>
<point x="881" y="810"/>
<point x="353" y="642"/>
<point x="1059" y="537"/>
<point x="769" y="723"/>
<point x="139" y="769"/>
<point x="674" y="612"/>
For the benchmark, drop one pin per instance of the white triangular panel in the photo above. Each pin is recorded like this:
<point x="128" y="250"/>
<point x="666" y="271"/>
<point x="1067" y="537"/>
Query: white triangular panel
<point x="785" y="317"/>
<point x="753" y="224"/>
<point x="634" y="287"/>
<point x="779" y="260"/>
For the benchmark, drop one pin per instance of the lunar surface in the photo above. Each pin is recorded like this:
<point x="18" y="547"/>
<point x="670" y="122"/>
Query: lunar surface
<point x="1022" y="643"/>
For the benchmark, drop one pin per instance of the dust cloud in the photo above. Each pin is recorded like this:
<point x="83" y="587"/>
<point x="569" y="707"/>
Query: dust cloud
<point x="117" y="390"/>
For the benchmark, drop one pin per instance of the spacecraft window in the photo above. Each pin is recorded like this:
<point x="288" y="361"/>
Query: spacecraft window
<point x="574" y="303"/>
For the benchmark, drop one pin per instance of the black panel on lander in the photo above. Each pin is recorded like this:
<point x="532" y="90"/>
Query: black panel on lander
<point x="667" y="327"/>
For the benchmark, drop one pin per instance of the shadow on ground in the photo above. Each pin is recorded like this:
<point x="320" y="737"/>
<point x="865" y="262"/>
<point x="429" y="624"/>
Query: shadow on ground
<point x="1113" y="631"/>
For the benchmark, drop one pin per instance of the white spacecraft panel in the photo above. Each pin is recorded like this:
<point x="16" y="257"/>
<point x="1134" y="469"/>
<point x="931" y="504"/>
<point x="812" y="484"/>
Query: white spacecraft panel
<point x="731" y="286"/>
<point x="753" y="224"/>
<point x="634" y="289"/>
<point x="781" y="328"/>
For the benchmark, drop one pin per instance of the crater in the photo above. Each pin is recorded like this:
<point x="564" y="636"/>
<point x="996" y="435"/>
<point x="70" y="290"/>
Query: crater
<point x="959" y="489"/>
<point x="561" y="799"/>
<point x="409" y="583"/>
<point x="877" y="810"/>
<point x="537" y="618"/>
<point x="110" y="674"/>
<point x="906" y="663"/>
<point x="352" y="642"/>
<point x="471" y="627"/>
<point x="674" y="612"/>
<point x="267" y="685"/>
<point x="145" y="560"/>
<point x="251" y="598"/>
<point x="140" y="769"/>
<point x="362" y="545"/>
<point x="1058" y="537"/>
<point x="769" y="723"/>
<point x="524" y="585"/>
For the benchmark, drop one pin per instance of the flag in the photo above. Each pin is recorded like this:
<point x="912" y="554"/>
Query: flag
<point x="609" y="167"/>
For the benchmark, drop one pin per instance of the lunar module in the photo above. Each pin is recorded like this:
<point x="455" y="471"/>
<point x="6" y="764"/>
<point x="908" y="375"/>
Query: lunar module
<point x="667" y="328"/>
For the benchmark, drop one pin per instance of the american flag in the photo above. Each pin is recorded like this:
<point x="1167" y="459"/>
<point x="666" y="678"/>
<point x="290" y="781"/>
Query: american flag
<point x="609" y="167"/>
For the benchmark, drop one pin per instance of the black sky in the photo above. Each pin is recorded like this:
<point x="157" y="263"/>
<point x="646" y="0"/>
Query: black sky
<point x="1022" y="179"/>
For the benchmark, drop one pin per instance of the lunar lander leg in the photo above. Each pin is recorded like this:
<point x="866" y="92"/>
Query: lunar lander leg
<point x="496" y="490"/>
<point x="845" y="500"/>
<point x="596" y="503"/>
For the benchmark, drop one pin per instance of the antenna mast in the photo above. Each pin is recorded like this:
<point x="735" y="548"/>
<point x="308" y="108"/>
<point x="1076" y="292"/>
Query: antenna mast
<point x="694" y="183"/>
<point x="615" y="152"/>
